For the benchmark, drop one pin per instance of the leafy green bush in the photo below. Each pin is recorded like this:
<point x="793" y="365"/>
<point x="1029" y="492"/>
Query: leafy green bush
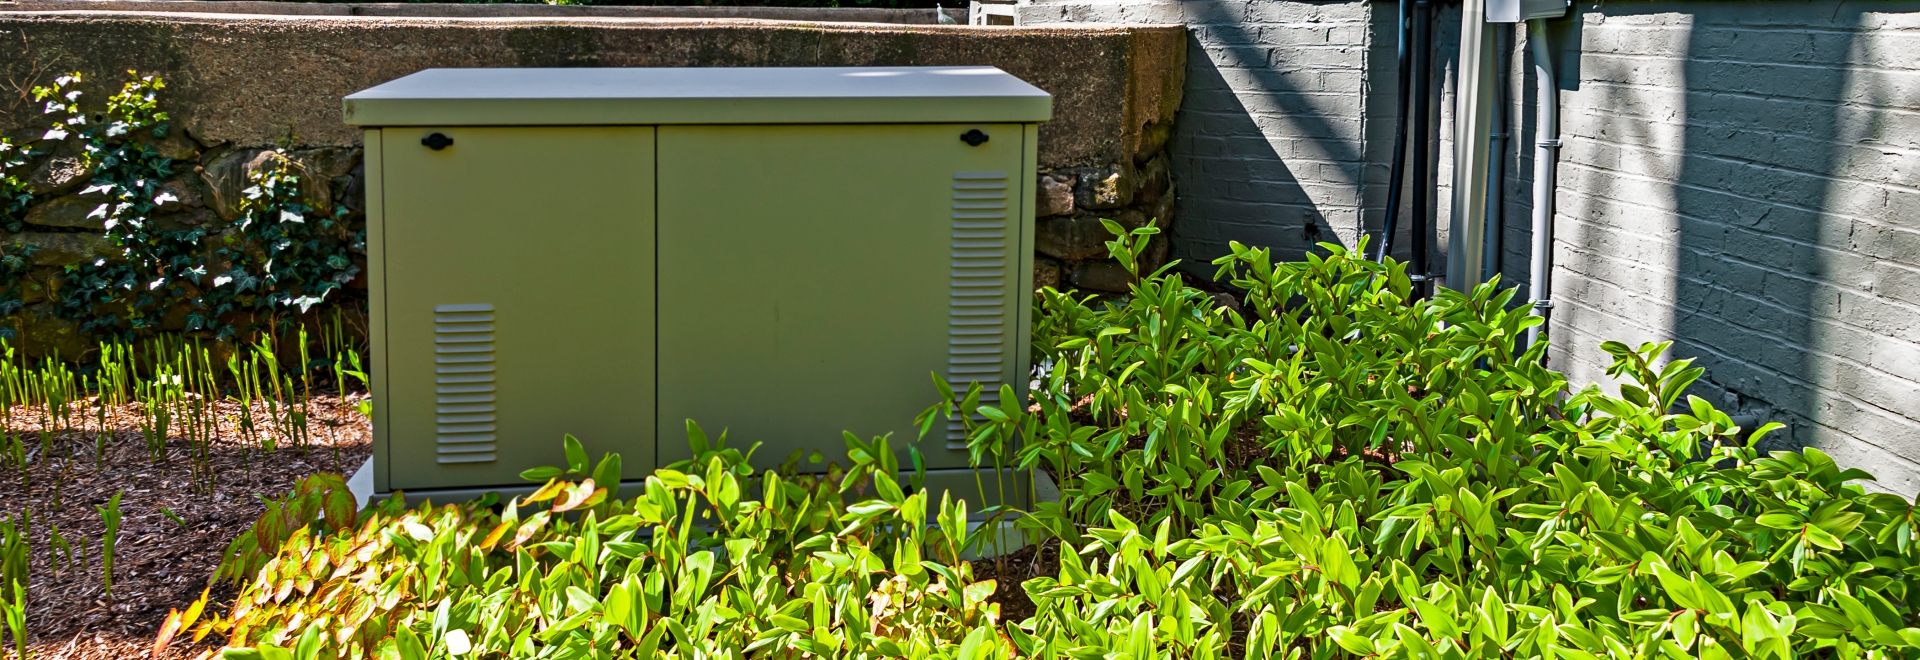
<point x="793" y="570"/>
<point x="1339" y="473"/>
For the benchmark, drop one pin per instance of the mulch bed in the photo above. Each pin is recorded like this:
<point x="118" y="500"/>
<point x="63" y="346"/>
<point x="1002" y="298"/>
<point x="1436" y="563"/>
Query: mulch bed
<point x="160" y="563"/>
<point x="1009" y="571"/>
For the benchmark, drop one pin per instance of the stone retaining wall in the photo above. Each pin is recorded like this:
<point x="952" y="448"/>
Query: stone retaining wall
<point x="239" y="85"/>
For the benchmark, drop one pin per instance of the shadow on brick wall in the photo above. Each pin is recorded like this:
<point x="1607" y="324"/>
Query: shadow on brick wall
<point x="1778" y="290"/>
<point x="1247" y="123"/>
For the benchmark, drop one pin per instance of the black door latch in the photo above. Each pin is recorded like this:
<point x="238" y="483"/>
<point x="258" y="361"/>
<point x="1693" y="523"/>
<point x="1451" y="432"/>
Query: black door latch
<point x="437" y="141"/>
<point x="973" y="137"/>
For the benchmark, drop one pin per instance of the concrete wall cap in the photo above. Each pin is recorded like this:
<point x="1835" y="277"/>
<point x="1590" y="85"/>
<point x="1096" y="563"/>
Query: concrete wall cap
<point x="30" y="10"/>
<point x="251" y="80"/>
<point x="851" y="14"/>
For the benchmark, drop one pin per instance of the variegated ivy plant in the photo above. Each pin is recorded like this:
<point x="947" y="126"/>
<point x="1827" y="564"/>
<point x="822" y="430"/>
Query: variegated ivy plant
<point x="278" y="259"/>
<point x="1336" y="472"/>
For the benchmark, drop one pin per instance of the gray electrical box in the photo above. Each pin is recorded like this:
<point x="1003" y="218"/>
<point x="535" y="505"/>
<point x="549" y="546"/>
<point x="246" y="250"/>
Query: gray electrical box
<point x="784" y="253"/>
<point x="1519" y="11"/>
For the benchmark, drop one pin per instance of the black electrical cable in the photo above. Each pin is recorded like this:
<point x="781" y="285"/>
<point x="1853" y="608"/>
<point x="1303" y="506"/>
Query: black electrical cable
<point x="1418" y="221"/>
<point x="1396" y="178"/>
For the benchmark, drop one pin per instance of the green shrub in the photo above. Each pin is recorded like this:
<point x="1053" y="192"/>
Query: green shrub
<point x="695" y="564"/>
<point x="1339" y="473"/>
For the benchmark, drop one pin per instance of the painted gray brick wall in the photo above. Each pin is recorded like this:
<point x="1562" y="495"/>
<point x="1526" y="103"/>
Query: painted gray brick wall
<point x="1275" y="132"/>
<point x="1742" y="178"/>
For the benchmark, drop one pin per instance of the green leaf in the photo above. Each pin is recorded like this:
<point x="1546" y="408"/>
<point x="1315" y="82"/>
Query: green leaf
<point x="1353" y="642"/>
<point x="576" y="456"/>
<point x="408" y="643"/>
<point x="1678" y="588"/>
<point x="1762" y="432"/>
<point x="1685" y="629"/>
<point x="542" y="474"/>
<point x="790" y="624"/>
<point x="1097" y="483"/>
<point x="308" y="648"/>
<point x="869" y="508"/>
<point x="696" y="438"/>
<point x="608" y="474"/>
<point x="1821" y="538"/>
<point x="1416" y="646"/>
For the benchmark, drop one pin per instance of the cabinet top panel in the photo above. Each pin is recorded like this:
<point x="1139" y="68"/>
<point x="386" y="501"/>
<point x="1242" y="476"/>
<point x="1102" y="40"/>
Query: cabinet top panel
<point x="717" y="95"/>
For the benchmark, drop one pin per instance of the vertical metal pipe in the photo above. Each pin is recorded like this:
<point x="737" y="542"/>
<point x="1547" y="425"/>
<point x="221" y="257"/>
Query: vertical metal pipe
<point x="1495" y="259"/>
<point x="1397" y="175"/>
<point x="1546" y="156"/>
<point x="1418" y="218"/>
<point x="1472" y="105"/>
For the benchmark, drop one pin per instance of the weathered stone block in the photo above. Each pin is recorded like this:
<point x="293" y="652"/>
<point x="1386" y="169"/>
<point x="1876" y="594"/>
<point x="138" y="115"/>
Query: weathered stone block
<point x="1102" y="276"/>
<point x="63" y="170"/>
<point x="185" y="194"/>
<point x="229" y="174"/>
<point x="1071" y="238"/>
<point x="1056" y="195"/>
<point x="1046" y="273"/>
<point x="69" y="211"/>
<point x="1130" y="218"/>
<point x="321" y="172"/>
<point x="190" y="217"/>
<point x="175" y="145"/>
<point x="317" y="169"/>
<point x="1161" y="212"/>
<point x="350" y="191"/>
<point x="1109" y="187"/>
<point x="1153" y="138"/>
<point x="1053" y="236"/>
<point x="44" y="333"/>
<point x="33" y="287"/>
<point x="1155" y="255"/>
<point x="60" y="249"/>
<point x="1154" y="181"/>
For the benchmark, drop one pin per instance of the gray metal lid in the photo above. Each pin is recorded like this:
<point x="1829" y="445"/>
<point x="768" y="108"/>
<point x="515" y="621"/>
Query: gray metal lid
<point x="718" y="95"/>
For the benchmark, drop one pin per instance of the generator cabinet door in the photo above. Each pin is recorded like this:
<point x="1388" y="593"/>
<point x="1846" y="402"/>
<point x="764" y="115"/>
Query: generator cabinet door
<point x="814" y="280"/>
<point x="518" y="302"/>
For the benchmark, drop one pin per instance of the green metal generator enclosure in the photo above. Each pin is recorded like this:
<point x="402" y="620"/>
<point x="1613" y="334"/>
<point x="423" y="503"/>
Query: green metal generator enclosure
<point x="781" y="253"/>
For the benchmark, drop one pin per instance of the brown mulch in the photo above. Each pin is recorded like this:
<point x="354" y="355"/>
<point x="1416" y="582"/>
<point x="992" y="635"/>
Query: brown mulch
<point x="1011" y="569"/>
<point x="159" y="563"/>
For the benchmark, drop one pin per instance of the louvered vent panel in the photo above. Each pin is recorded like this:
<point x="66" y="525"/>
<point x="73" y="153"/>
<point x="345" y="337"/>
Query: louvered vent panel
<point x="463" y="383"/>
<point x="977" y="290"/>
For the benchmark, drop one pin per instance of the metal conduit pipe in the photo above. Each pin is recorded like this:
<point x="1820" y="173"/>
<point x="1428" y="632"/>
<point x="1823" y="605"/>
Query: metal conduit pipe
<point x="1546" y="156"/>
<point x="1397" y="176"/>
<point x="1493" y="260"/>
